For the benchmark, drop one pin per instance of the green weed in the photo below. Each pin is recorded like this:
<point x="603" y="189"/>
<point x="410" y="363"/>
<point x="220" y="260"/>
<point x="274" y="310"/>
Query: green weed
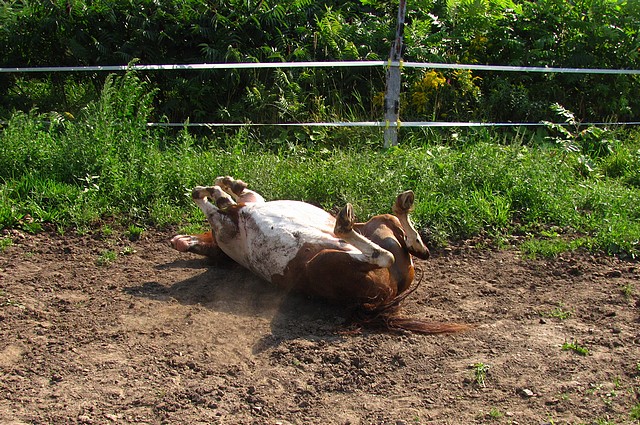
<point x="628" y="290"/>
<point x="575" y="347"/>
<point x="558" y="313"/>
<point x="106" y="231"/>
<point x="495" y="414"/>
<point x="480" y="371"/>
<point x="5" y="243"/>
<point x="127" y="250"/>
<point x="617" y="382"/>
<point x="635" y="412"/>
<point x="134" y="232"/>
<point x="106" y="257"/>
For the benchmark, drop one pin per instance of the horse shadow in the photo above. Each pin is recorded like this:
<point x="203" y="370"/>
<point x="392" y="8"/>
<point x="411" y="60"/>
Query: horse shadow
<point x="230" y="288"/>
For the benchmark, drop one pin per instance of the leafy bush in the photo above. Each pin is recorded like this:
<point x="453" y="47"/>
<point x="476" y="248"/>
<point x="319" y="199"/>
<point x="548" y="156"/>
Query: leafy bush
<point x="557" y="33"/>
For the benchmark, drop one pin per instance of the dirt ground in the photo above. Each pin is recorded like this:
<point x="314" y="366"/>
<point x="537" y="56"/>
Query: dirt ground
<point x="155" y="336"/>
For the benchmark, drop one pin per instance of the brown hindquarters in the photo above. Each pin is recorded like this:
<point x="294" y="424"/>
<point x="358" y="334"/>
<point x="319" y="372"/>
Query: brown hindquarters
<point x="335" y="276"/>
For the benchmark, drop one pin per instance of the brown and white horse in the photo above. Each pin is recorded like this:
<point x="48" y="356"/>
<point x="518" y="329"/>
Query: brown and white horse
<point x="298" y="246"/>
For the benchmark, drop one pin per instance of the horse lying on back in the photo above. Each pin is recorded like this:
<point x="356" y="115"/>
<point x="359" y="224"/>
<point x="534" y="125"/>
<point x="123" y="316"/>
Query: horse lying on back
<point x="298" y="246"/>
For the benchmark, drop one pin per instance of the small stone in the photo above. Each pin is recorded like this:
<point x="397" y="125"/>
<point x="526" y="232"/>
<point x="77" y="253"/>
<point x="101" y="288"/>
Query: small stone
<point x="526" y="392"/>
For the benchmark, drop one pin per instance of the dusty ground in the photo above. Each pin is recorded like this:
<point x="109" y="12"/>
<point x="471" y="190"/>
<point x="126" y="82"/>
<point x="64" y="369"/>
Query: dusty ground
<point x="155" y="336"/>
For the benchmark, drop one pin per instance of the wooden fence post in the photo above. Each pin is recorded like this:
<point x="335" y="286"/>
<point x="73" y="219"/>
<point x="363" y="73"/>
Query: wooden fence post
<point x="392" y="92"/>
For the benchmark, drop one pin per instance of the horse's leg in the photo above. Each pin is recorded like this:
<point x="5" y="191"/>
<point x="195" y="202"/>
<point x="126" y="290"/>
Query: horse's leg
<point x="401" y="208"/>
<point x="205" y="243"/>
<point x="201" y="244"/>
<point x="238" y="190"/>
<point x="201" y="196"/>
<point x="366" y="251"/>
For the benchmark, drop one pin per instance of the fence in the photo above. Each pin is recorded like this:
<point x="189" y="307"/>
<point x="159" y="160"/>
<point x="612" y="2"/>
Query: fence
<point x="394" y="67"/>
<point x="399" y="65"/>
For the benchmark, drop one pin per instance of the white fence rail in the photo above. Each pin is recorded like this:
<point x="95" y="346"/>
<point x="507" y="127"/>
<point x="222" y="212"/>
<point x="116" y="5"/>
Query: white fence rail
<point x="335" y="64"/>
<point x="330" y="64"/>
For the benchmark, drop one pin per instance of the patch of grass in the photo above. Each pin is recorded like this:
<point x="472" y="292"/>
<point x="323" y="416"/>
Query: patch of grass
<point x="550" y="248"/>
<point x="74" y="174"/>
<point x="495" y="414"/>
<point x="106" y="231"/>
<point x="628" y="290"/>
<point x="635" y="412"/>
<point x="107" y="257"/>
<point x="127" y="250"/>
<point x="558" y="313"/>
<point x="480" y="371"/>
<point x="134" y="232"/>
<point x="575" y="347"/>
<point x="617" y="382"/>
<point x="193" y="229"/>
<point x="5" y="243"/>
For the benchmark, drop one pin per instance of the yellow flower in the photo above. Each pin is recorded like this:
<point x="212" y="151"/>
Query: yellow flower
<point x="431" y="80"/>
<point x="423" y="89"/>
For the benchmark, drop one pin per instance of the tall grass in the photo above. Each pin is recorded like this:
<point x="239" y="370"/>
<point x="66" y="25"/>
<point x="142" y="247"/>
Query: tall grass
<point x="106" y="164"/>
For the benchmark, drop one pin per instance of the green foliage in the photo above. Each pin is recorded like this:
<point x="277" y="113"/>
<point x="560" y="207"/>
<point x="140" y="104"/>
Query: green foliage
<point x="589" y="33"/>
<point x="106" y="257"/>
<point x="480" y="371"/>
<point x="134" y="232"/>
<point x="5" y="242"/>
<point x="575" y="347"/>
<point x="635" y="412"/>
<point x="196" y="31"/>
<point x="495" y="414"/>
<point x="580" y="145"/>
<point x="106" y="165"/>
<point x="550" y="248"/>
<point x="558" y="313"/>
<point x="628" y="291"/>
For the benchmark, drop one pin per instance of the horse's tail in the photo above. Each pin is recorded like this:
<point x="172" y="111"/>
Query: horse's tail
<point x="423" y="327"/>
<point x="387" y="315"/>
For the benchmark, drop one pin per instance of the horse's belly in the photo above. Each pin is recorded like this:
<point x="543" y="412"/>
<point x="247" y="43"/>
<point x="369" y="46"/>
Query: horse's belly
<point x="275" y="232"/>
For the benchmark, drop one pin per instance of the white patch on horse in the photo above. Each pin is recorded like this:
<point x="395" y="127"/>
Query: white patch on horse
<point x="275" y="232"/>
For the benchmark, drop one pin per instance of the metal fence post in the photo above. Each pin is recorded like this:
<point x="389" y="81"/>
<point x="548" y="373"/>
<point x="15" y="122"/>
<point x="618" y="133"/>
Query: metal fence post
<point x="392" y="92"/>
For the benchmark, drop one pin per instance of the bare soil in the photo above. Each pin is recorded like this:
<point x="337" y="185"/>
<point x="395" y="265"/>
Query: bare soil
<point x="155" y="336"/>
